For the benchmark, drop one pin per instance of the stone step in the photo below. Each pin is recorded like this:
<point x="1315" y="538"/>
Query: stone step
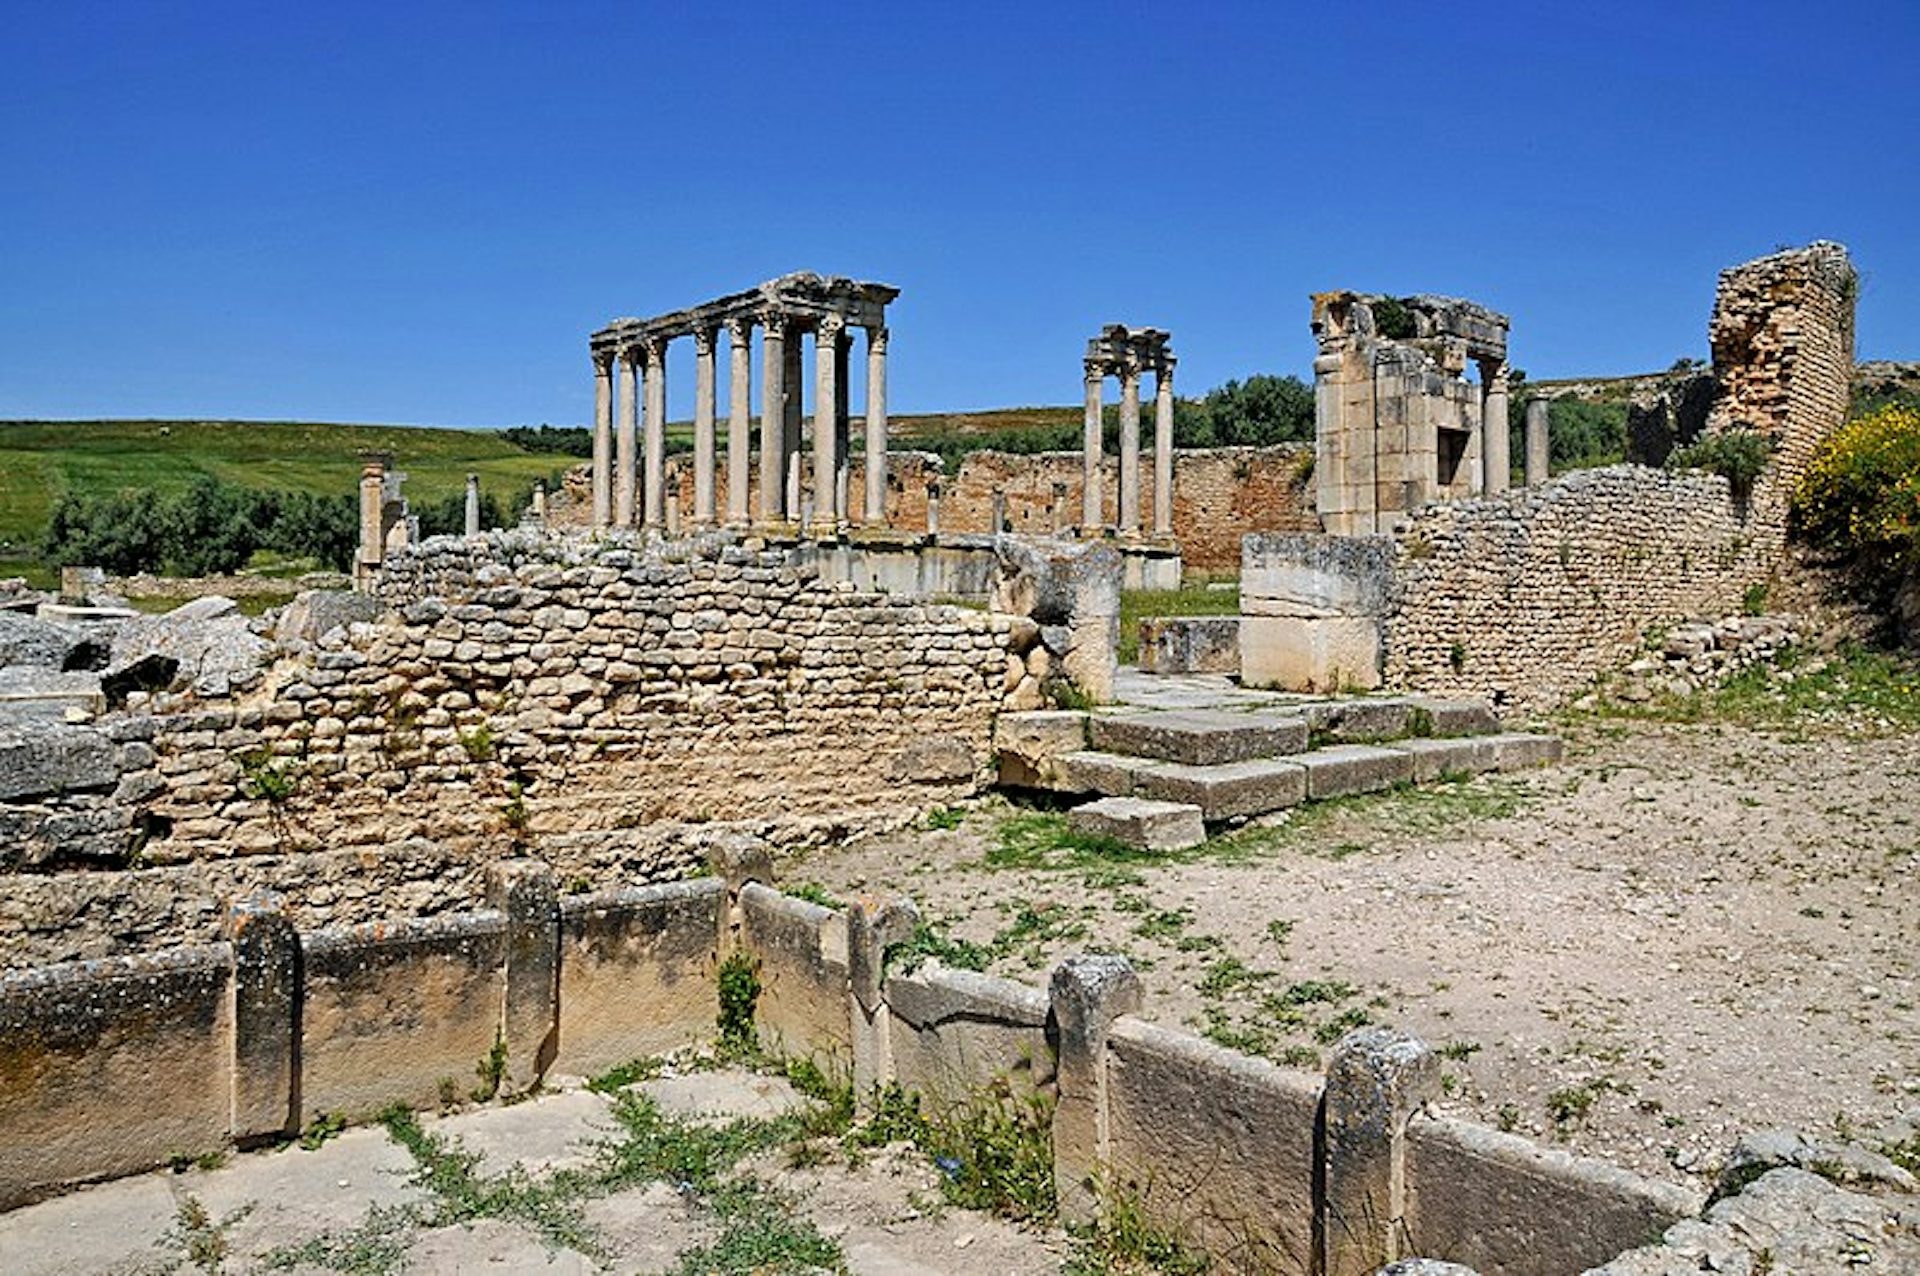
<point x="1222" y="791"/>
<point x="1198" y="737"/>
<point x="1151" y="826"/>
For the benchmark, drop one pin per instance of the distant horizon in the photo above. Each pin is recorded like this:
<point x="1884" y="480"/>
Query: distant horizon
<point x="419" y="213"/>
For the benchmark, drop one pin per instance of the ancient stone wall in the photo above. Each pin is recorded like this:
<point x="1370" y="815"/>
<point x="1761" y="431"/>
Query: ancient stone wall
<point x="1219" y="494"/>
<point x="1525" y="597"/>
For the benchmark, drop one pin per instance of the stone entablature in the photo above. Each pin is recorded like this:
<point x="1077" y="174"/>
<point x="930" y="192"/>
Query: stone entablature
<point x="1126" y="353"/>
<point x="1397" y="424"/>
<point x="630" y="490"/>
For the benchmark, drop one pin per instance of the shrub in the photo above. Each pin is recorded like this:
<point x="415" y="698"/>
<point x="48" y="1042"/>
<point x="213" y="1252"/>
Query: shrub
<point x="1861" y="495"/>
<point x="1739" y="456"/>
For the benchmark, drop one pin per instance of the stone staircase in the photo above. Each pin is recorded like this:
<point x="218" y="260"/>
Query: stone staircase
<point x="1235" y="762"/>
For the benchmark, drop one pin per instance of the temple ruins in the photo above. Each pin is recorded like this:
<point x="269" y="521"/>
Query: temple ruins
<point x="630" y="486"/>
<point x="1126" y="353"/>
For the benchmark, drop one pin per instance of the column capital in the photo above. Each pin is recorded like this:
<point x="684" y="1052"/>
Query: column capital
<point x="776" y="323"/>
<point x="877" y="339"/>
<point x="830" y="325"/>
<point x="603" y="362"/>
<point x="740" y="329"/>
<point x="703" y="340"/>
<point x="1095" y="373"/>
<point x="656" y="350"/>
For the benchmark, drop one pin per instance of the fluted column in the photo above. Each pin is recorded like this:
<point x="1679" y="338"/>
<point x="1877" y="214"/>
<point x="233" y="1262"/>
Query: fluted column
<point x="1163" y="449"/>
<point x="1130" y="451"/>
<point x="602" y="439"/>
<point x="1090" y="465"/>
<point x="656" y="426"/>
<point x="773" y="420"/>
<point x="826" y="398"/>
<point x="875" y="513"/>
<point x="739" y="412"/>
<point x="624" y="467"/>
<point x="704" y="409"/>
<point x="1494" y="449"/>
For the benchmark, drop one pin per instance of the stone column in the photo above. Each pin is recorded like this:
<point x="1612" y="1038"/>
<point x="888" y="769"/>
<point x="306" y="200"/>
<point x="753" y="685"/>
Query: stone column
<point x="704" y="409"/>
<point x="625" y="468"/>
<point x="1495" y="453"/>
<point x="794" y="446"/>
<point x="673" y="504"/>
<point x="656" y="432"/>
<point x="602" y="440"/>
<point x="773" y="421"/>
<point x="933" y="508"/>
<point x="1130" y="451"/>
<point x="875" y="512"/>
<point x="1378" y="1080"/>
<point x="1090" y="465"/>
<point x="739" y="415"/>
<point x="826" y="393"/>
<point x="999" y="511"/>
<point x="471" y="524"/>
<point x="1059" y="507"/>
<point x="373" y="496"/>
<point x="842" y="428"/>
<point x="1163" y="450"/>
<point x="1088" y="994"/>
<point x="539" y="506"/>
<point x="1539" y="451"/>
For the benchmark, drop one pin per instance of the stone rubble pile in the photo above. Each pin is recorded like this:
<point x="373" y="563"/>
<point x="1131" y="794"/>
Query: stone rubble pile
<point x="1699" y="654"/>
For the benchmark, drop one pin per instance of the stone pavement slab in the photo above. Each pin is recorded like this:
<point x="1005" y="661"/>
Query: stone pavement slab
<point x="96" y="1229"/>
<point x="724" y="1096"/>
<point x="1199" y="737"/>
<point x="555" y="1132"/>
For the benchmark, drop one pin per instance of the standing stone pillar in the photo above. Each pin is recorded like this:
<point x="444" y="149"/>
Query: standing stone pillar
<point x="524" y="890"/>
<point x="539" y="506"/>
<point x="739" y="417"/>
<point x="656" y="431"/>
<point x="1059" y="507"/>
<point x="874" y="924"/>
<point x="1539" y="450"/>
<point x="704" y="408"/>
<point x="266" y="985"/>
<point x="933" y="508"/>
<point x="999" y="511"/>
<point x="875" y="512"/>
<point x="773" y="418"/>
<point x="1130" y="451"/>
<point x="373" y="496"/>
<point x="1163" y="450"/>
<point x="826" y="340"/>
<point x="602" y="440"/>
<point x="1088" y="994"/>
<point x="1378" y="1080"/>
<point x="1494" y="450"/>
<point x="625" y="466"/>
<point x="673" y="503"/>
<point x="842" y="428"/>
<point x="471" y="524"/>
<point x="1090" y="464"/>
<point x="794" y="446"/>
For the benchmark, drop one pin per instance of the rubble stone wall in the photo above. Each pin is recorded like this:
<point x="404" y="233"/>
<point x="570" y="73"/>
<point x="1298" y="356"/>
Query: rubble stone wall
<point x="1525" y="597"/>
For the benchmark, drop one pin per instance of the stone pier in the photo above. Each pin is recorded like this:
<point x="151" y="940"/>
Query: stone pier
<point x="786" y="310"/>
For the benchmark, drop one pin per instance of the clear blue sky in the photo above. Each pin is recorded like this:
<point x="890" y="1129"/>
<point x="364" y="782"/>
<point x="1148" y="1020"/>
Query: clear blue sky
<point x="417" y="212"/>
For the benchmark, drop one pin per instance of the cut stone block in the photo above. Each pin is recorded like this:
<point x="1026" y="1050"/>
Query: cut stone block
<point x="1151" y="826"/>
<point x="1198" y="737"/>
<point x="1455" y="717"/>
<point x="1190" y="644"/>
<point x="1029" y="745"/>
<point x="1361" y="721"/>
<point x="1091" y="771"/>
<point x="1436" y="758"/>
<point x="1226" y="791"/>
<point x="1354" y="768"/>
<point x="1296" y="653"/>
<point x="1516" y="751"/>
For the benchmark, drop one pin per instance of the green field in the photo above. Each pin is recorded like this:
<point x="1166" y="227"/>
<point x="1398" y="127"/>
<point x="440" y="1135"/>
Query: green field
<point x="40" y="460"/>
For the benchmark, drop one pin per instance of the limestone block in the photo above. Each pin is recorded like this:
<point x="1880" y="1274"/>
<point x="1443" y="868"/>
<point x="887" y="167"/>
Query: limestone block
<point x="1029" y="745"/>
<point x="1354" y="768"/>
<point x="1190" y="644"/>
<point x="55" y="757"/>
<point x="1378" y="1080"/>
<point x="1198" y="737"/>
<point x="1141" y="822"/>
<point x="1299" y="654"/>
<point x="1087" y="994"/>
<point x="1316" y="577"/>
<point x="1454" y="717"/>
<point x="936" y="759"/>
<point x="1228" y="790"/>
<point x="1360" y="721"/>
<point x="1517" y="751"/>
<point x="1437" y="758"/>
<point x="1091" y="771"/>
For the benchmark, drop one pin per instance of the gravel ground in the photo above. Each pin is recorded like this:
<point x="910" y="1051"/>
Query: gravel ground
<point x="1682" y="933"/>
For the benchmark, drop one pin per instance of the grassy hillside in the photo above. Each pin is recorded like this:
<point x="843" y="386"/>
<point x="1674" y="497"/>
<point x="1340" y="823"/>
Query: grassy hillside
<point x="39" y="460"/>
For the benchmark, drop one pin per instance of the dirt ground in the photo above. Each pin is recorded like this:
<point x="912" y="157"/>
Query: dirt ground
<point x="1681" y="933"/>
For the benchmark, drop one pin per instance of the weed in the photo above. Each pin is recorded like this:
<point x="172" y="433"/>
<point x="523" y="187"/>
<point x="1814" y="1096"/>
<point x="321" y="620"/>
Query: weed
<point x="200" y="1237"/>
<point x="942" y="818"/>
<point x="1460" y="1050"/>
<point x="324" y="1126"/>
<point x="815" y="893"/>
<point x="1067" y="696"/>
<point x="514" y="815"/>
<point x="376" y="1247"/>
<point x="739" y="995"/>
<point x="1570" y="1105"/>
<point x="1280" y="931"/>
<point x="266" y="778"/>
<point x="1753" y="600"/>
<point x="1227" y="975"/>
<point x="1341" y="1024"/>
<point x="461" y="1194"/>
<point x="1309" y="992"/>
<point x="1457" y="657"/>
<point x="478" y="743"/>
<point x="929" y="942"/>
<point x="994" y="1151"/>
<point x="449" y="1094"/>
<point x="492" y="1070"/>
<point x="623" y="1075"/>
<point x="1420" y="722"/>
<point x="1507" y="1118"/>
<point x="1031" y="929"/>
<point x="1124" y="1240"/>
<point x="760" y="1233"/>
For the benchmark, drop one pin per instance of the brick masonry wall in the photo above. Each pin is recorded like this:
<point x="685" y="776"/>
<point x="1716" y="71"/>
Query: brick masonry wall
<point x="1526" y="596"/>
<point x="1219" y="494"/>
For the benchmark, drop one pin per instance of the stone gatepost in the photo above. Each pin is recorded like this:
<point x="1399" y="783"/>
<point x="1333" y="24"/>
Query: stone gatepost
<point x="738" y="861"/>
<point x="529" y="1021"/>
<point x="874" y="924"/>
<point x="1378" y="1080"/>
<point x="266" y="992"/>
<point x="1088" y="993"/>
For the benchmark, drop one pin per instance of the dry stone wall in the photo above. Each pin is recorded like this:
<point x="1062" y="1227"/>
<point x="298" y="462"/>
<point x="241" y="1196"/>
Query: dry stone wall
<point x="1527" y="596"/>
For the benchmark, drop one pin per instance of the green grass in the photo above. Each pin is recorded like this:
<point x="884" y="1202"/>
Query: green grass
<point x="1860" y="691"/>
<point x="40" y="460"/>
<point x="1189" y="600"/>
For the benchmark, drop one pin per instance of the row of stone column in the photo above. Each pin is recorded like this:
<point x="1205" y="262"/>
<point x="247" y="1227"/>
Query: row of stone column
<point x="1093" y="497"/>
<point x="630" y="489"/>
<point x="1496" y="461"/>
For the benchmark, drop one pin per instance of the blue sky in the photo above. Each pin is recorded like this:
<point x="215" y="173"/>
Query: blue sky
<point x="417" y="212"/>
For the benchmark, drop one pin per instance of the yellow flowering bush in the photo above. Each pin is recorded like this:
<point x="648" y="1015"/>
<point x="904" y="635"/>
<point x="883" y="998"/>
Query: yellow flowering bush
<point x="1861" y="495"/>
